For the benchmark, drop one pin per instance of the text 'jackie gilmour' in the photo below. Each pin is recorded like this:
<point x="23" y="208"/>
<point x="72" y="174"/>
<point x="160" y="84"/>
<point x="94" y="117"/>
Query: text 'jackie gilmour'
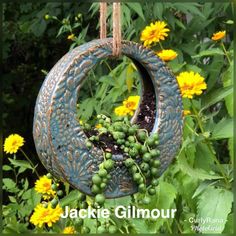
<point x="120" y="212"/>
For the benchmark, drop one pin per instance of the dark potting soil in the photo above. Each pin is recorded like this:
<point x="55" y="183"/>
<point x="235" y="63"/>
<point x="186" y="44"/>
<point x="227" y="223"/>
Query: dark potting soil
<point x="106" y="142"/>
<point x="146" y="116"/>
<point x="145" y="120"/>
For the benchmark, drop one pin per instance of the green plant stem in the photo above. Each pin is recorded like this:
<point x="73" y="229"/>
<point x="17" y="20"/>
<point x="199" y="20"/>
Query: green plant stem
<point x="32" y="165"/>
<point x="16" y="180"/>
<point x="168" y="226"/>
<point x="161" y="46"/>
<point x="140" y="171"/>
<point x="107" y="65"/>
<point x="225" y="51"/>
<point x="178" y="226"/>
<point x="208" y="144"/>
<point x="191" y="129"/>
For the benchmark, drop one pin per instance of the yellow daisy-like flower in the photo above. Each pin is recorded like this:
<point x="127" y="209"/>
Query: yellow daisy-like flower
<point x="131" y="103"/>
<point x="12" y="143"/>
<point x="71" y="37"/>
<point x="122" y="111"/>
<point x="186" y="112"/>
<point x="69" y="230"/>
<point x="154" y="33"/>
<point x="43" y="185"/>
<point x="191" y="83"/>
<point x="129" y="106"/>
<point x="45" y="215"/>
<point x="218" y="35"/>
<point x="167" y="54"/>
<point x="98" y="126"/>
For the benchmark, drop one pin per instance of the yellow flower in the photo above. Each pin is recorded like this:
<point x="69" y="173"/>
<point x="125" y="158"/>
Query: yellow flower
<point x="69" y="230"/>
<point x="122" y="111"/>
<point x="98" y="126"/>
<point x="43" y="185"/>
<point x="81" y="122"/>
<point x="167" y="55"/>
<point x="131" y="103"/>
<point x="154" y="33"/>
<point x="186" y="112"/>
<point x="45" y="215"/>
<point x="71" y="37"/>
<point x="12" y="143"/>
<point x="191" y="83"/>
<point x="218" y="35"/>
<point x="129" y="106"/>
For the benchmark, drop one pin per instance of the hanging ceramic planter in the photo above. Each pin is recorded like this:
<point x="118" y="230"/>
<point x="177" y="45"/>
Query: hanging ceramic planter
<point x="60" y="139"/>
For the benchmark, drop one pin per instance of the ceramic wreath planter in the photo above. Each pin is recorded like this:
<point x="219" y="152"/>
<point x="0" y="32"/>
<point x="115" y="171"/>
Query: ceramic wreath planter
<point x="60" y="139"/>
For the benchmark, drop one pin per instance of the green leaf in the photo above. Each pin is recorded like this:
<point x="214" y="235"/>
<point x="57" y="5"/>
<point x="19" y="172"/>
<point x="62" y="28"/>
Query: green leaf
<point x="20" y="163"/>
<point x="142" y="227"/>
<point x="229" y="22"/>
<point x="189" y="8"/>
<point x="180" y="24"/>
<point x="204" y="157"/>
<point x="227" y="79"/>
<point x="209" y="52"/>
<point x="223" y="129"/>
<point x="32" y="197"/>
<point x="229" y="226"/>
<point x="86" y="108"/>
<point x="137" y="8"/>
<point x="6" y="168"/>
<point x="38" y="27"/>
<point x="215" y="96"/>
<point x="214" y="204"/>
<point x="231" y="149"/>
<point x="164" y="199"/>
<point x="12" y="199"/>
<point x="15" y="228"/>
<point x="175" y="66"/>
<point x="91" y="224"/>
<point x="203" y="185"/>
<point x="194" y="172"/>
<point x="213" y="71"/>
<point x="8" y="183"/>
<point x="70" y="198"/>
<point x="158" y="10"/>
<point x="129" y="77"/>
<point x="26" y="184"/>
<point x="193" y="68"/>
<point x="21" y="170"/>
<point x="124" y="201"/>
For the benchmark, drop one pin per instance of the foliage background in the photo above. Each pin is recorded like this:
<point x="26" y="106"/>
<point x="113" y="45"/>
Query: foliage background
<point x="32" y="45"/>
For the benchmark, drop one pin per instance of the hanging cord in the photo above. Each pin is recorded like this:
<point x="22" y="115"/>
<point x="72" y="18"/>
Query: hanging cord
<point x="103" y="24"/>
<point x="116" y="49"/>
<point x="116" y="29"/>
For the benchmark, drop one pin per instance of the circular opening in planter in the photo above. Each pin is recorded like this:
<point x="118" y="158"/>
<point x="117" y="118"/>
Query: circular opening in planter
<point x="89" y="103"/>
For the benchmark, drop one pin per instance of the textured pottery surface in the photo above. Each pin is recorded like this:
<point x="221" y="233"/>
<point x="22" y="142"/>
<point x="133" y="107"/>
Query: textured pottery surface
<point x="59" y="138"/>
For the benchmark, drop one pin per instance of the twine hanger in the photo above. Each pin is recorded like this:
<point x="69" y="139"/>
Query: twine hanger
<point x="116" y="23"/>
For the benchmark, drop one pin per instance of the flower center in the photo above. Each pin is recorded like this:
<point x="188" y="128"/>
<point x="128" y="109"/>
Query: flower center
<point x="130" y="105"/>
<point x="47" y="186"/>
<point x="45" y="213"/>
<point x="187" y="87"/>
<point x="14" y="143"/>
